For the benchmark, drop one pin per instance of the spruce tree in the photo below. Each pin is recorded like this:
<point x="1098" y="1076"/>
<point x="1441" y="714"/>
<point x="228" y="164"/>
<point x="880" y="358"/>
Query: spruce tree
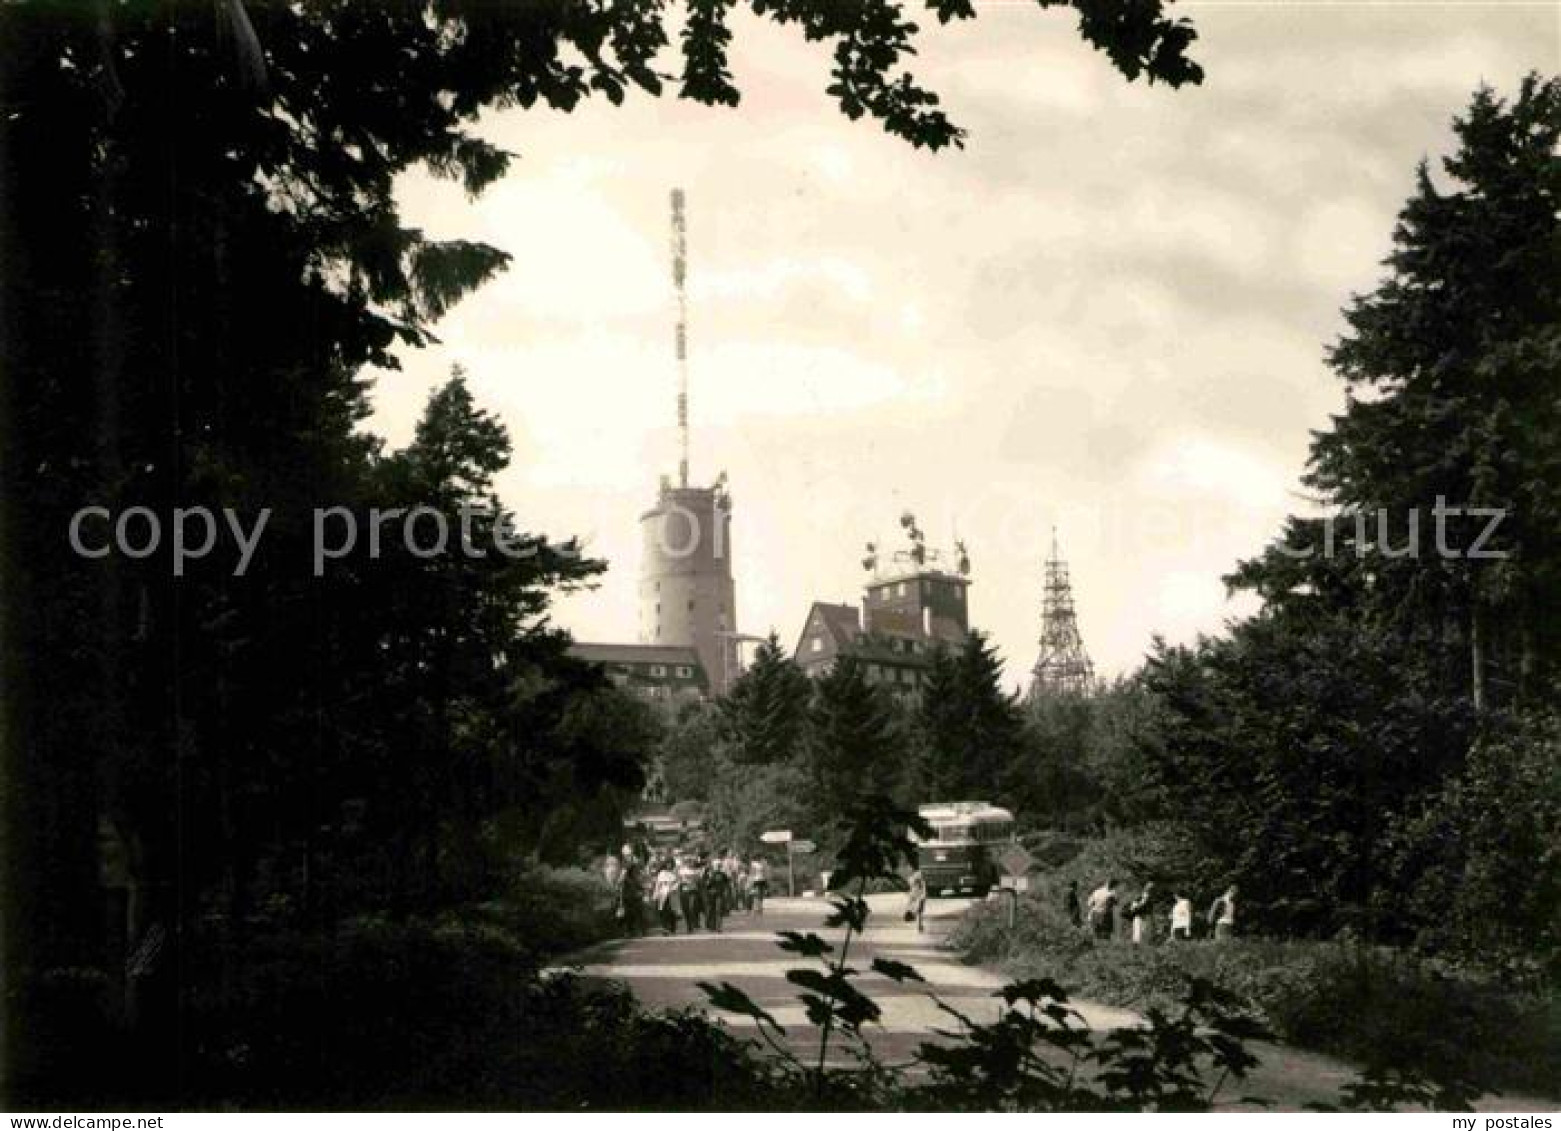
<point x="854" y="746"/>
<point x="1453" y="369"/>
<point x="971" y="731"/>
<point x="763" y="715"/>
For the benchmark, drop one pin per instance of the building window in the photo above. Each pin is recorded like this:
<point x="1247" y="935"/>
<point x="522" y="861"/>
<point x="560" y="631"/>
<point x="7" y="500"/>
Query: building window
<point x="684" y="672"/>
<point x="899" y="590"/>
<point x="690" y="604"/>
<point x="816" y="644"/>
<point x="658" y="670"/>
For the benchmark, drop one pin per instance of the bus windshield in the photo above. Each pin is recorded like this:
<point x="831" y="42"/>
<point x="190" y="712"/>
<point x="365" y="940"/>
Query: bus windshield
<point x="978" y="832"/>
<point x="969" y="823"/>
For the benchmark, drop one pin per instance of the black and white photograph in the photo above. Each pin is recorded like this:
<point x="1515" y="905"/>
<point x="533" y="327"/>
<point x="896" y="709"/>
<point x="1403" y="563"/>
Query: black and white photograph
<point x="780" y="556"/>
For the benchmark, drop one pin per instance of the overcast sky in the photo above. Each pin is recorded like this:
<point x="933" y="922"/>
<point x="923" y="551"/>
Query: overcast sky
<point x="1107" y="312"/>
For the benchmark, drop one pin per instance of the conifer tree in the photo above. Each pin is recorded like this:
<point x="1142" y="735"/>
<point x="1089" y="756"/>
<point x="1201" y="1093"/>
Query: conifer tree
<point x="971" y="730"/>
<point x="853" y="745"/>
<point x="1453" y="369"/>
<point x="763" y="715"/>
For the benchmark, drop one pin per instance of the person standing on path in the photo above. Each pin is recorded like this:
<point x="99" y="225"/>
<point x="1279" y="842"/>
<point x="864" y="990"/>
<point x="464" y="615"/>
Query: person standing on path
<point x="1071" y="905"/>
<point x="916" y="900"/>
<point x="1181" y="918"/>
<point x="690" y="880"/>
<point x="731" y="865"/>
<point x="1139" y="912"/>
<point x="1102" y="909"/>
<point x="631" y="899"/>
<point x="1222" y="914"/>
<point x="664" y="895"/>
<point x="758" y="882"/>
<point x="716" y="895"/>
<point x="743" y="885"/>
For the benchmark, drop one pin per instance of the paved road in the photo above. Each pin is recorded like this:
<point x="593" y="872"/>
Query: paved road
<point x="664" y="971"/>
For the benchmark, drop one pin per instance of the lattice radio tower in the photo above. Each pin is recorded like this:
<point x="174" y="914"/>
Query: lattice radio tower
<point x="1063" y="667"/>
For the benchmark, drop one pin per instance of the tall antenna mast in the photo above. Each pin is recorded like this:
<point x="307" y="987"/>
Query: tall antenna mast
<point x="679" y="278"/>
<point x="1063" y="667"/>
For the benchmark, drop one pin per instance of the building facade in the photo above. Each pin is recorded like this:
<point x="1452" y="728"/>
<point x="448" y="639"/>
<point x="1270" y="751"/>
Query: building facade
<point x="660" y="675"/>
<point x="910" y="607"/>
<point x="687" y="596"/>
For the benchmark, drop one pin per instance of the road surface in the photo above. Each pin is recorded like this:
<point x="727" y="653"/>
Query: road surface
<point x="664" y="971"/>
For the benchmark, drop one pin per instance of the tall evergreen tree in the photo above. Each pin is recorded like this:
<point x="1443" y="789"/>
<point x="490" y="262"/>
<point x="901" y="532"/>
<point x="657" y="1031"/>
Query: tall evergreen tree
<point x="971" y="731"/>
<point x="764" y="713"/>
<point x="1453" y="366"/>
<point x="853" y="744"/>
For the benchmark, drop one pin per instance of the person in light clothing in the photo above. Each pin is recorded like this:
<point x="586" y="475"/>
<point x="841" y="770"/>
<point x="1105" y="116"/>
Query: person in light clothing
<point x="1222" y="913"/>
<point x="663" y="896"/>
<point x="1102" y="909"/>
<point x="758" y="882"/>
<point x="916" y="899"/>
<point x="1181" y="918"/>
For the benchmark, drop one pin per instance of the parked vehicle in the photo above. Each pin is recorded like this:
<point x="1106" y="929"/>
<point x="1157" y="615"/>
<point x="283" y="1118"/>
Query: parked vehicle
<point x="961" y="856"/>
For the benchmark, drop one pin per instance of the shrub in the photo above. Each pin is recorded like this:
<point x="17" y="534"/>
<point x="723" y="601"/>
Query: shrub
<point x="1364" y="1004"/>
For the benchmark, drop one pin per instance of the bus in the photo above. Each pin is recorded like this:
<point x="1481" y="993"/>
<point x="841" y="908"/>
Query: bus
<point x="961" y="855"/>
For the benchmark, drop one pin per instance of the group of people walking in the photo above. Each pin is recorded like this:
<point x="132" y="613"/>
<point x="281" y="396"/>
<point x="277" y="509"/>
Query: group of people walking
<point x="1151" y="916"/>
<point x="684" y="886"/>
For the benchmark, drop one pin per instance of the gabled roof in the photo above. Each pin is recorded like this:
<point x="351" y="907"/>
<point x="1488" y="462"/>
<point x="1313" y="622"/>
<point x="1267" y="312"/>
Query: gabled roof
<point x="841" y="624"/>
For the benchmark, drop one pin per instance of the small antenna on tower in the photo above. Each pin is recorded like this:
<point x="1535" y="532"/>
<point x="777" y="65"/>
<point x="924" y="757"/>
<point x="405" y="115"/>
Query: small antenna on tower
<point x="679" y="279"/>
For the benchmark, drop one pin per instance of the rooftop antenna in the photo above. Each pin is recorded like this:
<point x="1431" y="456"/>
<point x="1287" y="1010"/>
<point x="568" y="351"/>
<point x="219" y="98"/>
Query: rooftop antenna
<point x="679" y="278"/>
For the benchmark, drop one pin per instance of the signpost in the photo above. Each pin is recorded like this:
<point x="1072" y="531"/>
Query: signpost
<point x="783" y="836"/>
<point x="1016" y="861"/>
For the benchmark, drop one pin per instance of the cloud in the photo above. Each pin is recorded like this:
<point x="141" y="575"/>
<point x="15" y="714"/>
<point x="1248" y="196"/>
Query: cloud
<point x="1339" y="244"/>
<point x="1193" y="469"/>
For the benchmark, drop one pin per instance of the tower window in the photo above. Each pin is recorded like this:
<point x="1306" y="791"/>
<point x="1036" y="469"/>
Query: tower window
<point x="690" y="604"/>
<point x="816" y="644"/>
